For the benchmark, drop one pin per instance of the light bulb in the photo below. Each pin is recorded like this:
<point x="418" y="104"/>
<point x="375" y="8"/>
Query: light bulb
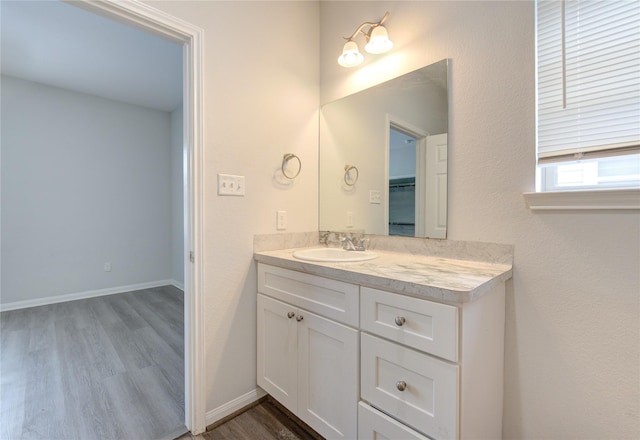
<point x="351" y="56"/>
<point x="379" y="41"/>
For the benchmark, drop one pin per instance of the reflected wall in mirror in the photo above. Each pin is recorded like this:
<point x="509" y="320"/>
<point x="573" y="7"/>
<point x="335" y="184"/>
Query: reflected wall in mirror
<point x="395" y="134"/>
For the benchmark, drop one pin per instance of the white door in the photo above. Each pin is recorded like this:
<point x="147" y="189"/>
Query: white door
<point x="277" y="350"/>
<point x="436" y="186"/>
<point x="328" y="376"/>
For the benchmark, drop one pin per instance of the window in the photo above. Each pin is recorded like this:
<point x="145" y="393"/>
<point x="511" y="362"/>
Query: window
<point x="588" y="94"/>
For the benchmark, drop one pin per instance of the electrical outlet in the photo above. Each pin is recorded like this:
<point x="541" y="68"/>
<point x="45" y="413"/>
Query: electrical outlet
<point x="230" y="185"/>
<point x="281" y="220"/>
<point x="107" y="267"/>
<point x="375" y="197"/>
<point x="349" y="219"/>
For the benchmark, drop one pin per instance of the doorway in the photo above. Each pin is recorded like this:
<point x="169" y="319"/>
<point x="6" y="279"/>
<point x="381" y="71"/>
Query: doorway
<point x="152" y="21"/>
<point x="405" y="177"/>
<point x="402" y="183"/>
<point x="416" y="176"/>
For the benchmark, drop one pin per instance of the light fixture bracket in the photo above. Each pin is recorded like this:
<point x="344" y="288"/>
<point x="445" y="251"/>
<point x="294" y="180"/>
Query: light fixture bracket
<point x="371" y="25"/>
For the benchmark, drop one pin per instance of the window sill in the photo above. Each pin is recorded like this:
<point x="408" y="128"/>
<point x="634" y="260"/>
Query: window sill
<point x="595" y="200"/>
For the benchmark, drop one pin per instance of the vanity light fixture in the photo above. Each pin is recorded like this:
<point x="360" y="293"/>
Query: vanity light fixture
<point x="377" y="42"/>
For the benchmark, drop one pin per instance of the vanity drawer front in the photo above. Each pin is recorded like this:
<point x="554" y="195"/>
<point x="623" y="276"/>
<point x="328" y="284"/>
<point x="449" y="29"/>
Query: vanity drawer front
<point x="330" y="298"/>
<point x="419" y="323"/>
<point x="375" y="425"/>
<point x="429" y="401"/>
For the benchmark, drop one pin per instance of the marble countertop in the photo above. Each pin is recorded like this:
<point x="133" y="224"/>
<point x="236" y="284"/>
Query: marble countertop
<point x="429" y="277"/>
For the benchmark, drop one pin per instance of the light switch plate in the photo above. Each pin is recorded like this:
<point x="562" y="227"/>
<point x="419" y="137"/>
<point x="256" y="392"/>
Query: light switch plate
<point x="230" y="185"/>
<point x="281" y="220"/>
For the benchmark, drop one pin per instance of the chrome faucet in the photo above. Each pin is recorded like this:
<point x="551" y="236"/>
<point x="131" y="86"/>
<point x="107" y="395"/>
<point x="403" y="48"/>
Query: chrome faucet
<point x="349" y="244"/>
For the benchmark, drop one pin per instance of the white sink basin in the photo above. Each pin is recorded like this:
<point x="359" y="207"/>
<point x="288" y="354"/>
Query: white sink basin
<point x="334" y="255"/>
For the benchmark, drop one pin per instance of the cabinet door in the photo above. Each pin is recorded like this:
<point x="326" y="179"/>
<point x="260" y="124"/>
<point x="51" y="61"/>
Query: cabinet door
<point x="328" y="376"/>
<point x="277" y="350"/>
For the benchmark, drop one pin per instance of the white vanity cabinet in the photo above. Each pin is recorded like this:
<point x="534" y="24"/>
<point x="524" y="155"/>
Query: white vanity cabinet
<point x="308" y="362"/>
<point x="359" y="362"/>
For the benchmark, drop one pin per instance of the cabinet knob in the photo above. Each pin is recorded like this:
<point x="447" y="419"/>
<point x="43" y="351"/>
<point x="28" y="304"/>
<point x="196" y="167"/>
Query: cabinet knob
<point x="401" y="385"/>
<point x="400" y="320"/>
<point x="299" y="318"/>
<point x="290" y="315"/>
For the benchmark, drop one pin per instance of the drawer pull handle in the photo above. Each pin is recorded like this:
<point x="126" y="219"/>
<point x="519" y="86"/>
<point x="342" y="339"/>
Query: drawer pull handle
<point x="290" y="315"/>
<point x="401" y="385"/>
<point x="299" y="318"/>
<point x="400" y="320"/>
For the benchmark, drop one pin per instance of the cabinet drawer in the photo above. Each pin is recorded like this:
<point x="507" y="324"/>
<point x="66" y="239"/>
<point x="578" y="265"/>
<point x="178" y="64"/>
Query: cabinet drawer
<point x="429" y="401"/>
<point x="375" y="425"/>
<point x="422" y="324"/>
<point x="330" y="298"/>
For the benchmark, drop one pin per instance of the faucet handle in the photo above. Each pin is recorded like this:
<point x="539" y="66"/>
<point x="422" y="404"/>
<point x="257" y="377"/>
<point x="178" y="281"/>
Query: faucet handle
<point x="347" y="243"/>
<point x="362" y="244"/>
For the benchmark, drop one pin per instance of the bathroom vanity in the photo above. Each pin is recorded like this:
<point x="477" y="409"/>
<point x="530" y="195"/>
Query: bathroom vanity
<point x="406" y="345"/>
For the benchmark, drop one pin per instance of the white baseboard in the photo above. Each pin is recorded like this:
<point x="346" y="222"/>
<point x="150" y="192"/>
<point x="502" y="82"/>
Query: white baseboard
<point x="83" y="295"/>
<point x="230" y="407"/>
<point x="177" y="284"/>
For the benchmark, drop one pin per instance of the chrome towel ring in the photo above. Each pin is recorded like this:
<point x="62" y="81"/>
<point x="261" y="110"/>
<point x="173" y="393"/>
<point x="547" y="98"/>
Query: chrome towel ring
<point x="285" y="160"/>
<point x="348" y="179"/>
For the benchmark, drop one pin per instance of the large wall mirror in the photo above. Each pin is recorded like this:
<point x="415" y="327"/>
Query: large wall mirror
<point x="383" y="157"/>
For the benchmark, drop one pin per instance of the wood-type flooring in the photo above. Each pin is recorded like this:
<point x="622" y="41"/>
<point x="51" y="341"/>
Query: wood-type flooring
<point x="264" y="421"/>
<point x="109" y="367"/>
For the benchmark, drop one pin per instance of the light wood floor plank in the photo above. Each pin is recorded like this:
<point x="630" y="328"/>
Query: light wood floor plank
<point x="168" y="328"/>
<point x="127" y="346"/>
<point x="96" y="368"/>
<point x="13" y="377"/>
<point x="129" y="315"/>
<point x="42" y="334"/>
<point x="41" y="409"/>
<point x="168" y="407"/>
<point x="169" y="363"/>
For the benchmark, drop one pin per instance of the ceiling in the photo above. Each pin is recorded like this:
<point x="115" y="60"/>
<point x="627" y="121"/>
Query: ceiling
<point x="58" y="44"/>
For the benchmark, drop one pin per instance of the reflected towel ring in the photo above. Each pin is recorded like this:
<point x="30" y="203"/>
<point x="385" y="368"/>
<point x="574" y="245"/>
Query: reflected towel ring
<point x="347" y="177"/>
<point x="285" y="160"/>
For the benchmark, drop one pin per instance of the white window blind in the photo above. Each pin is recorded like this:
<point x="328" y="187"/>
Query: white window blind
<point x="588" y="60"/>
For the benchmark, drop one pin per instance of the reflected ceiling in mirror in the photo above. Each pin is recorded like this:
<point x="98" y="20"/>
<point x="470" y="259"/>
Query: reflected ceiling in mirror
<point x="383" y="157"/>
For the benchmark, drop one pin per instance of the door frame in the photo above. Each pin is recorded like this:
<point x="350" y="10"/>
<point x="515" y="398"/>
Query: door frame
<point x="392" y="121"/>
<point x="163" y="25"/>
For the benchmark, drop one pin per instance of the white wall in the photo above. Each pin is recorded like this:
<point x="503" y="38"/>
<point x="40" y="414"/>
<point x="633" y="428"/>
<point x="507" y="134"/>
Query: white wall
<point x="177" y="197"/>
<point x="260" y="101"/>
<point x="572" y="340"/>
<point x="85" y="181"/>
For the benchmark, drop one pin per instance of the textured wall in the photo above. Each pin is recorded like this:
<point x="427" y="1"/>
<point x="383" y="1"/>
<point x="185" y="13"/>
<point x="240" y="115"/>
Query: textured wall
<point x="260" y="101"/>
<point x="572" y="341"/>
